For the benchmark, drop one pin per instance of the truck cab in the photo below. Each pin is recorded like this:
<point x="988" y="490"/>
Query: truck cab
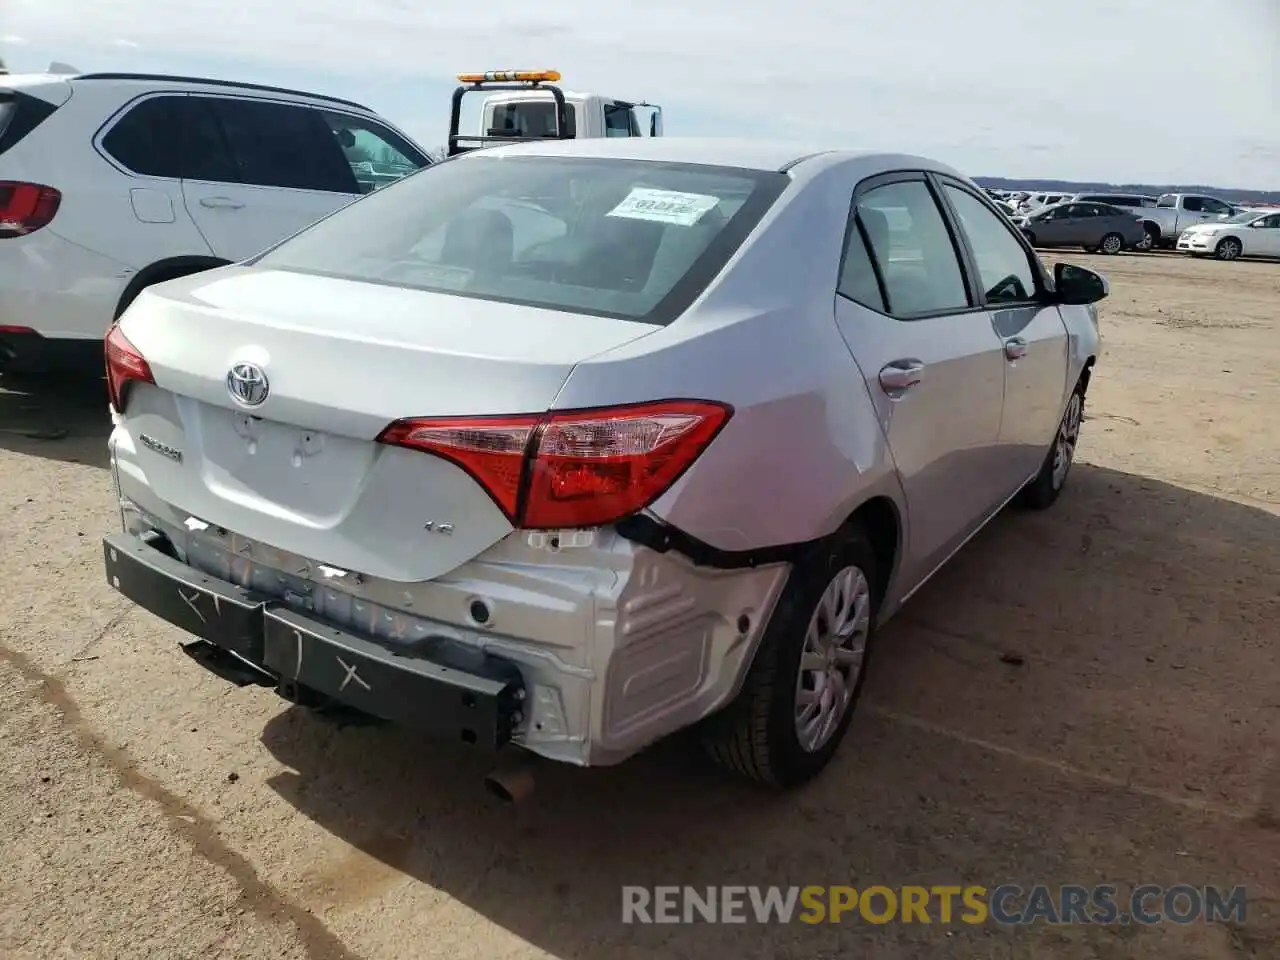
<point x="1174" y="212"/>
<point x="526" y="104"/>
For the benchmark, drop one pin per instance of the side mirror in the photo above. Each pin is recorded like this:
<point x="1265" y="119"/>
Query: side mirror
<point x="1077" y="286"/>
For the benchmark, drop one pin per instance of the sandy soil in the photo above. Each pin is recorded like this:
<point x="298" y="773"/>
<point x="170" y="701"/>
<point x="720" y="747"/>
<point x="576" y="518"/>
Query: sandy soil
<point x="149" y="810"/>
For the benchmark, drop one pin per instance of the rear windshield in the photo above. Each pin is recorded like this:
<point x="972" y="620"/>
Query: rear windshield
<point x="632" y="239"/>
<point x="530" y="118"/>
<point x="19" y="115"/>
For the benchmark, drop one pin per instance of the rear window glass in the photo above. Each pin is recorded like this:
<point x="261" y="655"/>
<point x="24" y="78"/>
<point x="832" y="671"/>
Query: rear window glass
<point x="530" y="118"/>
<point x="6" y="113"/>
<point x="632" y="239"/>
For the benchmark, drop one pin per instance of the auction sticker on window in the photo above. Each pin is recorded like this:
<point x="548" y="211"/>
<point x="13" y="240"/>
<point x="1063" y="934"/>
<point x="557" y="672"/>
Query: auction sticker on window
<point x="664" y="206"/>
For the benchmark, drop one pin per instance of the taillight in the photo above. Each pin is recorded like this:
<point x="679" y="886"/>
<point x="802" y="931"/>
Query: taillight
<point x="125" y="365"/>
<point x="26" y="207"/>
<point x="576" y="468"/>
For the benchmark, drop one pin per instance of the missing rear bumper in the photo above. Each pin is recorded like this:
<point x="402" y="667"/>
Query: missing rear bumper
<point x="433" y="687"/>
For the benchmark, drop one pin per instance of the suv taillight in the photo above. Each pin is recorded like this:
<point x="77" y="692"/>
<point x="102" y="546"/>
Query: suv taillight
<point x="573" y="468"/>
<point x="26" y="207"/>
<point x="125" y="365"/>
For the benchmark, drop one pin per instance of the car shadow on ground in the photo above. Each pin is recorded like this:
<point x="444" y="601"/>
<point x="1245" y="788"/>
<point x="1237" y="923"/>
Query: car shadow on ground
<point x="1085" y="695"/>
<point x="56" y="418"/>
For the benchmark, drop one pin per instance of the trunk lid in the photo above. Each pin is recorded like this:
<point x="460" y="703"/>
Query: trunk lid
<point x="302" y="471"/>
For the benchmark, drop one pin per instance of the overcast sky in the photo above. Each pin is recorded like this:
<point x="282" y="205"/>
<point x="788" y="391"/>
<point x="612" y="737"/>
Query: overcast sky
<point x="1115" y="90"/>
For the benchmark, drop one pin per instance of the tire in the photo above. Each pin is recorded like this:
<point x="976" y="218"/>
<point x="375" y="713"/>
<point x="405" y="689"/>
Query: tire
<point x="1228" y="248"/>
<point x="1043" y="491"/>
<point x="1150" y="239"/>
<point x="757" y="736"/>
<point x="1111" y="244"/>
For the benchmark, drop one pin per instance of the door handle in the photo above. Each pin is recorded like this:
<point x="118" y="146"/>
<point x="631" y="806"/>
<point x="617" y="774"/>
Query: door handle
<point x="900" y="376"/>
<point x="1014" y="348"/>
<point x="220" y="203"/>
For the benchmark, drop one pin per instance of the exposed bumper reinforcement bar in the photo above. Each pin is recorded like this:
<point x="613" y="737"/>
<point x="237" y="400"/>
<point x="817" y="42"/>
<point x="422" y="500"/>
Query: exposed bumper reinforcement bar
<point x="439" y="687"/>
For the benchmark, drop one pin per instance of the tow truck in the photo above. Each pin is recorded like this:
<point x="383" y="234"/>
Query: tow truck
<point x="528" y="105"/>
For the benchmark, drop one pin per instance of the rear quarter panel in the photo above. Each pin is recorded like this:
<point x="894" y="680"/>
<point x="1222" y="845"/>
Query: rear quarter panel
<point x="804" y="447"/>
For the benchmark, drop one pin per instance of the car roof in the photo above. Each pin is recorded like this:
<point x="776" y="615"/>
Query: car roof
<point x="749" y="154"/>
<point x="163" y="78"/>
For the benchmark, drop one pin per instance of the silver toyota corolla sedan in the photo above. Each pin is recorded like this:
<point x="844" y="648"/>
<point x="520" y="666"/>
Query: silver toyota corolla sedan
<point x="576" y="444"/>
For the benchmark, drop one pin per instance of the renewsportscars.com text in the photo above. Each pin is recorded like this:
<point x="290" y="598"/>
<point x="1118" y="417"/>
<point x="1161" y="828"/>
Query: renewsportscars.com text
<point x="1007" y="904"/>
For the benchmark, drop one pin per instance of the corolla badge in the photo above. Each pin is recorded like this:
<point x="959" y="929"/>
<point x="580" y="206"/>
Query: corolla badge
<point x="248" y="384"/>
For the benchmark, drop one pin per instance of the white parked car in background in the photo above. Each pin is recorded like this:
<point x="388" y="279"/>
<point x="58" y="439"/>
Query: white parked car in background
<point x="1037" y="200"/>
<point x="111" y="182"/>
<point x="577" y="443"/>
<point x="1252" y="233"/>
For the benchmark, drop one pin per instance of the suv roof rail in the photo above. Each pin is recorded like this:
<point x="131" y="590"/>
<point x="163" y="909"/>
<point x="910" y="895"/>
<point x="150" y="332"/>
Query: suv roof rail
<point x="238" y="84"/>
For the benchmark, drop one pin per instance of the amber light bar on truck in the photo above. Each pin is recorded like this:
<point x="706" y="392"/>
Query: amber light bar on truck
<point x="511" y="76"/>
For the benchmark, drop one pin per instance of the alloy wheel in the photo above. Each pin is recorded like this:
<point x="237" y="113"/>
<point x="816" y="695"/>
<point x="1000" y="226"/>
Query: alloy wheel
<point x="1064" y="451"/>
<point x="832" y="658"/>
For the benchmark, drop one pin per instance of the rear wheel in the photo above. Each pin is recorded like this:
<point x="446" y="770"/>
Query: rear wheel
<point x="1043" y="491"/>
<point x="1112" y="244"/>
<point x="800" y="692"/>
<point x="1228" y="248"/>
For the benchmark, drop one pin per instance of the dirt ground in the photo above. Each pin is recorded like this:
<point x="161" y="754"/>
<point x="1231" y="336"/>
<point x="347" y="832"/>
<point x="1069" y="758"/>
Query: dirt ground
<point x="149" y="810"/>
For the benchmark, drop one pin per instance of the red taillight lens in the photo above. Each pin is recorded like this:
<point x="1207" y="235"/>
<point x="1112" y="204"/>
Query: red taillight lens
<point x="124" y="365"/>
<point x="580" y="468"/>
<point x="26" y="207"/>
<point x="593" y="468"/>
<point x="490" y="449"/>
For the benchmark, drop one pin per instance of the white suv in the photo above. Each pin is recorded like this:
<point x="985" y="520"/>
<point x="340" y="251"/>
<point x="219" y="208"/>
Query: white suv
<point x="112" y="182"/>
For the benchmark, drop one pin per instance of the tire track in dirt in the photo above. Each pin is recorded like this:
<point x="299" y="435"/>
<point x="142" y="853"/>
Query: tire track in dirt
<point x="182" y="819"/>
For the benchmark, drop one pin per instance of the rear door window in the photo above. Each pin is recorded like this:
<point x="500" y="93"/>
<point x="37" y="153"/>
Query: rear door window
<point x="173" y="136"/>
<point x="913" y="249"/>
<point x="149" y="139"/>
<point x="858" y="280"/>
<point x="630" y="239"/>
<point x="283" y="145"/>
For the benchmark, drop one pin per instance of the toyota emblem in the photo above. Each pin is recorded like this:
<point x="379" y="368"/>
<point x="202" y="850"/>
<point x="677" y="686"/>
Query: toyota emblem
<point x="247" y="384"/>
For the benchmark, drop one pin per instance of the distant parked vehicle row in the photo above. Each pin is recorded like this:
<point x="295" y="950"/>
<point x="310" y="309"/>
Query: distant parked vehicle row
<point x="1093" y="226"/>
<point x="1163" y="218"/>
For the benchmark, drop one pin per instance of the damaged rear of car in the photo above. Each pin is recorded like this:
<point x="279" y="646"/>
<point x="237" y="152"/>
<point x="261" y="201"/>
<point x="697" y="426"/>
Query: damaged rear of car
<point x="348" y="469"/>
